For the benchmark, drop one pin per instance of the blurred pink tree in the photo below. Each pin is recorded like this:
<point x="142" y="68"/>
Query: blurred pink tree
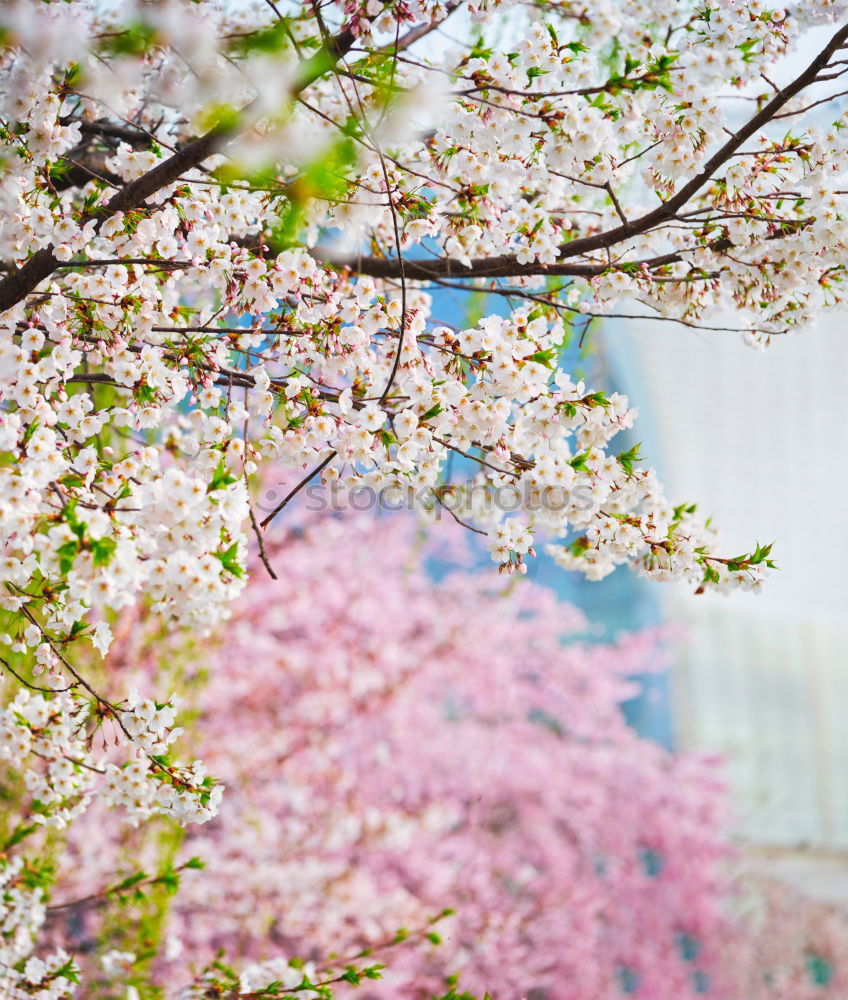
<point x="391" y="745"/>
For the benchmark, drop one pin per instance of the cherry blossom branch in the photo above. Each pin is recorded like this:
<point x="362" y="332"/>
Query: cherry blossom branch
<point x="17" y="285"/>
<point x="34" y="687"/>
<point x="131" y="884"/>
<point x="507" y="265"/>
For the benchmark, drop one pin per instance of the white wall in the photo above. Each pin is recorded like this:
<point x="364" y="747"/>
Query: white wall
<point x="760" y="440"/>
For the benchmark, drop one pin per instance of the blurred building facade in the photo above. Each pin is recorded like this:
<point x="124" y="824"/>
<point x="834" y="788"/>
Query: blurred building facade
<point x="758" y="439"/>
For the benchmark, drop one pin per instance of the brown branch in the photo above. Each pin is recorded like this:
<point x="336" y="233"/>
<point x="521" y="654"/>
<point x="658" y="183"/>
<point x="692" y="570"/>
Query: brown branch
<point x="84" y="169"/>
<point x="293" y="493"/>
<point x="263" y="555"/>
<point x="456" y="517"/>
<point x="34" y="687"/>
<point x="107" y="129"/>
<point x="421" y="31"/>
<point x="113" y="891"/>
<point x="17" y="285"/>
<point x="505" y="265"/>
<point x="23" y="280"/>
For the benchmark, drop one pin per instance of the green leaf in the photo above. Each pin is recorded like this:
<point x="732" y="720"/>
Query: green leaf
<point x="102" y="549"/>
<point x="479" y="51"/>
<point x="67" y="554"/>
<point x="128" y="882"/>
<point x="266" y="40"/>
<point x="761" y="553"/>
<point x="229" y="560"/>
<point x="627" y="458"/>
<point x="169" y="880"/>
<point x="221" y="477"/>
<point x="19" y="834"/>
<point x="68" y="971"/>
<point x="135" y="40"/>
<point x="578" y="546"/>
<point x="684" y="508"/>
<point x="37" y="874"/>
<point x="545" y="358"/>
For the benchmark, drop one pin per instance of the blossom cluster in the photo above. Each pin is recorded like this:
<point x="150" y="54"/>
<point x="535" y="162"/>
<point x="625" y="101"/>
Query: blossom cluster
<point x="47" y="751"/>
<point x="164" y="287"/>
<point x="22" y="914"/>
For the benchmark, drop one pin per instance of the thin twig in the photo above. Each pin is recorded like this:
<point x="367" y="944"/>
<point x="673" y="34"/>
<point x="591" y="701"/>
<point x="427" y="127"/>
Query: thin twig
<point x="297" y="489"/>
<point x="262" y="553"/>
<point x="35" y="687"/>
